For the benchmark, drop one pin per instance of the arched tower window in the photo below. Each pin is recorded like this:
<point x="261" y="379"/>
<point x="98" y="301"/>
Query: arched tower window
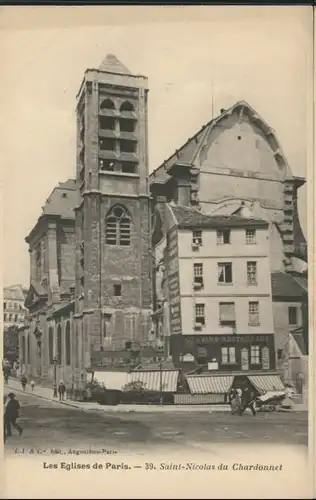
<point x="67" y="353"/>
<point x="118" y="227"/>
<point x="127" y="106"/>
<point x="107" y="104"/>
<point x="51" y="345"/>
<point x="59" y="344"/>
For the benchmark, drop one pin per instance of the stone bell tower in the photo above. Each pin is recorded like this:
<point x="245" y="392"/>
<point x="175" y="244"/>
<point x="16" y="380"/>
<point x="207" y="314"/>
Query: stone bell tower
<point x="113" y="282"/>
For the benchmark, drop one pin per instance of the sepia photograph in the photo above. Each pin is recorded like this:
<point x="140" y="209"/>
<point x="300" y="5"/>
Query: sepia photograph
<point x="156" y="165"/>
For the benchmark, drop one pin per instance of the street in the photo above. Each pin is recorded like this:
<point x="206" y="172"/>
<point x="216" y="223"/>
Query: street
<point x="51" y="426"/>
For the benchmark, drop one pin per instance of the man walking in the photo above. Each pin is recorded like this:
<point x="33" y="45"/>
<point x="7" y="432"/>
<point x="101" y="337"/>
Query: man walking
<point x="12" y="414"/>
<point x="61" y="390"/>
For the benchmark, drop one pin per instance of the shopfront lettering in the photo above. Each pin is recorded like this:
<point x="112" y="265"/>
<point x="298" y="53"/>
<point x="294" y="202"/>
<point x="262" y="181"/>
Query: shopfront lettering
<point x="222" y="339"/>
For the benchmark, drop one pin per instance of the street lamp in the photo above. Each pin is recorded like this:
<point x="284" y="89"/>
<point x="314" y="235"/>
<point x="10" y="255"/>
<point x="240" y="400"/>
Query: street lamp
<point x="55" y="377"/>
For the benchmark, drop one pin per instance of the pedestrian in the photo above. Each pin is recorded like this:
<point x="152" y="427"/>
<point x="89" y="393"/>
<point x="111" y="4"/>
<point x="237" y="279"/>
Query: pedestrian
<point x="248" y="401"/>
<point x="61" y="390"/>
<point x="23" y="382"/>
<point x="12" y="414"/>
<point x="32" y="384"/>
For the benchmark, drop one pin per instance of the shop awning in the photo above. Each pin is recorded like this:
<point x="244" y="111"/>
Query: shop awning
<point x="209" y="385"/>
<point x="111" y="380"/>
<point x="266" y="383"/>
<point x="151" y="379"/>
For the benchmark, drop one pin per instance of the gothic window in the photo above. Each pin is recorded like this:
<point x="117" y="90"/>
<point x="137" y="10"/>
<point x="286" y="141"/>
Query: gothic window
<point x="23" y="350"/>
<point x="67" y="343"/>
<point x="38" y="259"/>
<point x="127" y="106"/>
<point x="59" y="344"/>
<point x="51" y="345"/>
<point x="118" y="227"/>
<point x="28" y="349"/>
<point x="107" y="104"/>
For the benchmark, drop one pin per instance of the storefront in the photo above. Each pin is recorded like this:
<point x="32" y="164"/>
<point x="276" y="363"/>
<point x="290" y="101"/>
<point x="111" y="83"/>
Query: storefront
<point x="225" y="353"/>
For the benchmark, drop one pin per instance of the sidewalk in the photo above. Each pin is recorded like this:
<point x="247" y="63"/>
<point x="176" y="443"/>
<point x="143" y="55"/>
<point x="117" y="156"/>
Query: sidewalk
<point x="46" y="393"/>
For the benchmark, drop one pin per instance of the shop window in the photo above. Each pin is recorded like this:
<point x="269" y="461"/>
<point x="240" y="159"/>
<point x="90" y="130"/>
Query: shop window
<point x="228" y="355"/>
<point x="255" y="355"/>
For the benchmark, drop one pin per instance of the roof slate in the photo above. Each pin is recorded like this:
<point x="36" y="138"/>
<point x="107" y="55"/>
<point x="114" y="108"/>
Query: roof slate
<point x="189" y="217"/>
<point x="112" y="65"/>
<point x="62" y="200"/>
<point x="285" y="286"/>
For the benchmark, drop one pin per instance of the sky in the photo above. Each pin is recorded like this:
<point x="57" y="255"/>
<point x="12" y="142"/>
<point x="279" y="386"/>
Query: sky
<point x="197" y="59"/>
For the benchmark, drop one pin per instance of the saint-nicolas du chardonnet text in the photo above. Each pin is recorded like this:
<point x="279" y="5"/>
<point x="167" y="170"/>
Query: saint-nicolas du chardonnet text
<point x="162" y="466"/>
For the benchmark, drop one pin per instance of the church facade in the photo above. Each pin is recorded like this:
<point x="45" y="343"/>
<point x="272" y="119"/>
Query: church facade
<point x="94" y="266"/>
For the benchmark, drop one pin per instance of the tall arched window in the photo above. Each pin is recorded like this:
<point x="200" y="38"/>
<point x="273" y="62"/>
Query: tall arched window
<point x="127" y="106"/>
<point x="59" y="345"/>
<point x="107" y="104"/>
<point x="51" y="345"/>
<point x="67" y="353"/>
<point x="23" y="350"/>
<point x="28" y="350"/>
<point x="118" y="227"/>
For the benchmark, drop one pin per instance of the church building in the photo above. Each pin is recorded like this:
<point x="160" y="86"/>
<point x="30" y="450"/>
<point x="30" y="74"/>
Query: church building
<point x="96" y="251"/>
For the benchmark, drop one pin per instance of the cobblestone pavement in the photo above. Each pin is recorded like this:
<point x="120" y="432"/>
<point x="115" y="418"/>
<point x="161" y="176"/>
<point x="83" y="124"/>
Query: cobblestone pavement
<point x="50" y="426"/>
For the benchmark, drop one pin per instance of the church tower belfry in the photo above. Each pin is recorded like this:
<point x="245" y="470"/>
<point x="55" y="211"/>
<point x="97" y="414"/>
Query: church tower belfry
<point x="113" y="283"/>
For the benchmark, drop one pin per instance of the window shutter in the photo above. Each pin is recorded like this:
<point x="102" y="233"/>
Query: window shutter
<point x="227" y="311"/>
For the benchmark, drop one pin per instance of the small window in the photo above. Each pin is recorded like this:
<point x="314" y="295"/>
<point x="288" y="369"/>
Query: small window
<point x="223" y="237"/>
<point x="250" y="236"/>
<point x="129" y="167"/>
<point x="16" y="318"/>
<point x="280" y="353"/>
<point x="117" y="290"/>
<point x="255" y="355"/>
<point x="225" y="272"/>
<point x="200" y="314"/>
<point x="5" y="317"/>
<point x="292" y="315"/>
<point x="128" y="146"/>
<point x="107" y="165"/>
<point x="253" y="313"/>
<point x="127" y="125"/>
<point x="107" y="144"/>
<point x="252" y="273"/>
<point x="4" y="305"/>
<point x="197" y="237"/>
<point x="198" y="274"/>
<point x="106" y="123"/>
<point x="228" y="355"/>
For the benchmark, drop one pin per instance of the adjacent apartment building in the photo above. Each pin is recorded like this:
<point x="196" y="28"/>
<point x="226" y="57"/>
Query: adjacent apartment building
<point x="13" y="306"/>
<point x="214" y="293"/>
